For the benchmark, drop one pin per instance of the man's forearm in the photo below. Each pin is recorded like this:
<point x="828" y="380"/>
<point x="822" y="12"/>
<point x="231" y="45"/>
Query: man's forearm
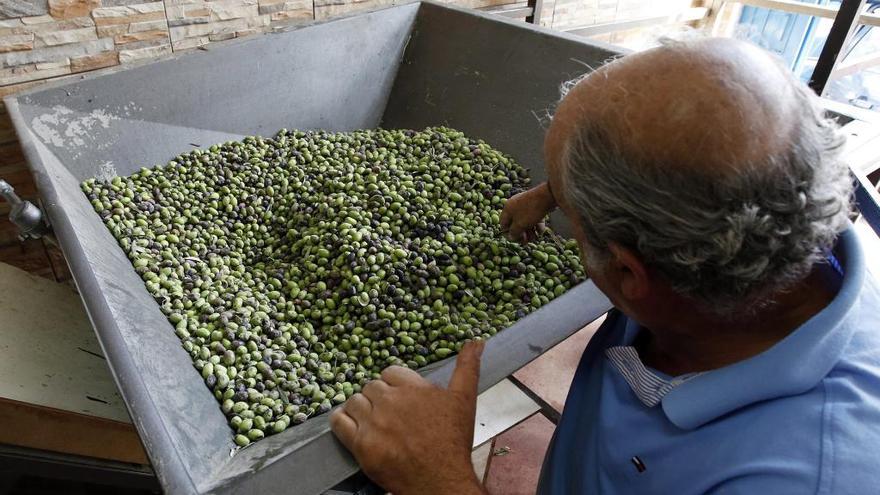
<point x="454" y="479"/>
<point x="544" y="197"/>
<point x="470" y="486"/>
<point x="463" y="481"/>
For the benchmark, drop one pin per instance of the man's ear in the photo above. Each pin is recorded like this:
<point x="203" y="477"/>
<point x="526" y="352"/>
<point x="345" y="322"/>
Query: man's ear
<point x="635" y="281"/>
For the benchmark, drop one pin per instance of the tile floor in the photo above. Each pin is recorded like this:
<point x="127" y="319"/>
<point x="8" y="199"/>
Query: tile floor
<point x="515" y="460"/>
<point x="550" y="375"/>
<point x="511" y="462"/>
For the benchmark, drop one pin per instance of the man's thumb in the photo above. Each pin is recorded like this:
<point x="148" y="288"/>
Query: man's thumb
<point x="466" y="375"/>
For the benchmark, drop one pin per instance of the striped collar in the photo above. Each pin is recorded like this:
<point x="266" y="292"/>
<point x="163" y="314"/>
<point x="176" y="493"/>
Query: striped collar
<point x="649" y="386"/>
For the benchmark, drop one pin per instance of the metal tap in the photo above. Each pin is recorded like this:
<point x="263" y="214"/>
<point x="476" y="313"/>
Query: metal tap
<point x="25" y="215"/>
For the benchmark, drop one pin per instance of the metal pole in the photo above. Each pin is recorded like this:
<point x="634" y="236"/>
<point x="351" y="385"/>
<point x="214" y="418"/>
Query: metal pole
<point x="536" y="6"/>
<point x="841" y="31"/>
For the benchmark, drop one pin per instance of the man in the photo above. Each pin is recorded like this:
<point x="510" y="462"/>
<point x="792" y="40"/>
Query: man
<point x="705" y="190"/>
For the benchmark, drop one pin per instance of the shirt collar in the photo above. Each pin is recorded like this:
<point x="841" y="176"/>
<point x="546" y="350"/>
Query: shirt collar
<point x="792" y="366"/>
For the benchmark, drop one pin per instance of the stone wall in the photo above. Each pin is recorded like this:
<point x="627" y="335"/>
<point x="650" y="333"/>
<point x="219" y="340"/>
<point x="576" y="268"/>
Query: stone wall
<point x="42" y="40"/>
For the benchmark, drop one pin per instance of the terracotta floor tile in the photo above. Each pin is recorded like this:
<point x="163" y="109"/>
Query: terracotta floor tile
<point x="516" y="460"/>
<point x="550" y="375"/>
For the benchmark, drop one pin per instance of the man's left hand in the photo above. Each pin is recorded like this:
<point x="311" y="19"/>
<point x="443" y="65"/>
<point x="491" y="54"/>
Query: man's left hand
<point x="410" y="436"/>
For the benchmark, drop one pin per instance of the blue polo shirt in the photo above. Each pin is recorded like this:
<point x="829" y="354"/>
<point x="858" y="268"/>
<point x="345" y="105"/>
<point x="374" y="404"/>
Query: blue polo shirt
<point x="801" y="417"/>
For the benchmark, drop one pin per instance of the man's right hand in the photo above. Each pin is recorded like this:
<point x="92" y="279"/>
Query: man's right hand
<point x="523" y="215"/>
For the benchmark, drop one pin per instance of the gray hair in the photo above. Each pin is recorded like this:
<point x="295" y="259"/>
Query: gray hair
<point x="725" y="240"/>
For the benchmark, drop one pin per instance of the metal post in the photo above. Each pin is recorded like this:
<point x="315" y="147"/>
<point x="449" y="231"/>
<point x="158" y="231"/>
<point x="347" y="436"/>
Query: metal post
<point x="537" y="6"/>
<point x="867" y="200"/>
<point x="841" y="31"/>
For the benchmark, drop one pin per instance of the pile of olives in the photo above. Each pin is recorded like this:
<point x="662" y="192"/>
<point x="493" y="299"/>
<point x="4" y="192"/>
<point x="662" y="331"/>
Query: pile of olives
<point x="295" y="268"/>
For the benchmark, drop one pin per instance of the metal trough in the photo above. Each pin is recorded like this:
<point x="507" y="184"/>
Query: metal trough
<point x="410" y="66"/>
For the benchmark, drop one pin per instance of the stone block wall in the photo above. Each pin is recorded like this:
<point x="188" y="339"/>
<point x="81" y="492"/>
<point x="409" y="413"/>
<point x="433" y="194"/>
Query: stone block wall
<point x="193" y="23"/>
<point x="43" y="40"/>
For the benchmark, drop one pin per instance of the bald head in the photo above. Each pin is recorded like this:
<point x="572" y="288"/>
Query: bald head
<point x="706" y="159"/>
<point x="712" y="103"/>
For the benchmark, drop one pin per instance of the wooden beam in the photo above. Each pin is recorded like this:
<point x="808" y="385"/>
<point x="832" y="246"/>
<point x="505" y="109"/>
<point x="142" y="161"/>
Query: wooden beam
<point x="727" y="19"/>
<point x="715" y="8"/>
<point x="687" y="15"/>
<point x="515" y="10"/>
<point x="850" y="67"/>
<point x="850" y="111"/>
<point x="870" y="19"/>
<point x="55" y="430"/>
<point x="794" y="7"/>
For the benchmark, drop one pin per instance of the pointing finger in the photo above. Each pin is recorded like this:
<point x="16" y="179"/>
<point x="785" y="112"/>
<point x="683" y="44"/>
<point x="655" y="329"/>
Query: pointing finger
<point x="466" y="376"/>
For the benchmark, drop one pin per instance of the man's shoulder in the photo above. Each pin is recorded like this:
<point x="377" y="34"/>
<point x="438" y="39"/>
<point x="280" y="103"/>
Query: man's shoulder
<point x="822" y="441"/>
<point x="859" y="364"/>
<point x="852" y="403"/>
<point x="825" y="436"/>
<point x="849" y="395"/>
